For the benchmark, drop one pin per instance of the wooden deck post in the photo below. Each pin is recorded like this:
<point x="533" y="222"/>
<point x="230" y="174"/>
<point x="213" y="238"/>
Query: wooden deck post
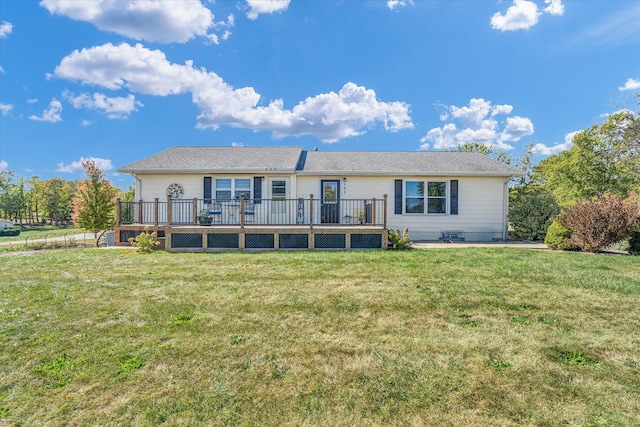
<point x="373" y="212"/>
<point x="195" y="211"/>
<point x="169" y="211"/>
<point x="118" y="212"/>
<point x="140" y="209"/>
<point x="155" y="212"/>
<point x="242" y="211"/>
<point x="384" y="211"/>
<point x="311" y="211"/>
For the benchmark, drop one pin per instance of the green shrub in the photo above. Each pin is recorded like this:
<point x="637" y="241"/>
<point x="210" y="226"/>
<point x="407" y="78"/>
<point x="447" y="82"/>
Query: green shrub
<point x="557" y="237"/>
<point x="600" y="222"/>
<point x="400" y="240"/>
<point x="145" y="242"/>
<point x="634" y="243"/>
<point x="531" y="210"/>
<point x="9" y="232"/>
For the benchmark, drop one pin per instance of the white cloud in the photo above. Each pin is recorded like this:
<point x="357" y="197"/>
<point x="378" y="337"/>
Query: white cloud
<point x="3" y="165"/>
<point x="330" y="116"/>
<point x="157" y="21"/>
<point x="5" y="108"/>
<point x="86" y="123"/>
<point x="501" y="109"/>
<point x="630" y="84"/>
<point x="392" y="4"/>
<point x="115" y="108"/>
<point x="516" y="128"/>
<point x="51" y="114"/>
<point x="237" y="144"/>
<point x="524" y="14"/>
<point x="555" y="7"/>
<point x="103" y="164"/>
<point x="547" y="151"/>
<point x="256" y="7"/>
<point x="222" y="28"/>
<point x="32" y="101"/>
<point x="5" y="29"/>
<point x="1" y="69"/>
<point x="478" y="124"/>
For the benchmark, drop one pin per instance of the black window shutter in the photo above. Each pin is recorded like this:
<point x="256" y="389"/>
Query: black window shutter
<point x="453" y="209"/>
<point x="207" y="189"/>
<point x="257" y="189"/>
<point x="398" y="197"/>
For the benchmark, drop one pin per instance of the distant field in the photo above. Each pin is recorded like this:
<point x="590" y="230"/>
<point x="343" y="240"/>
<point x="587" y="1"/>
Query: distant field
<point x="464" y="337"/>
<point x="41" y="232"/>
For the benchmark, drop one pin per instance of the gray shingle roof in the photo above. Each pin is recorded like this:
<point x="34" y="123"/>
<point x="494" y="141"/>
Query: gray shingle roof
<point x="293" y="159"/>
<point x="435" y="163"/>
<point x="218" y="159"/>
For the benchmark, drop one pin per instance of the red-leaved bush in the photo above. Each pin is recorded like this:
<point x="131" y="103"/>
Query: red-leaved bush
<point x="599" y="222"/>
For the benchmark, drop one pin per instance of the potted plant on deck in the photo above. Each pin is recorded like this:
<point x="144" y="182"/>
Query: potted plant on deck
<point x="204" y="218"/>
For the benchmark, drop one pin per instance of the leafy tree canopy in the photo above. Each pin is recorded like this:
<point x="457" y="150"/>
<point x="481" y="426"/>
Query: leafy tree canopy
<point x="604" y="158"/>
<point x="94" y="201"/>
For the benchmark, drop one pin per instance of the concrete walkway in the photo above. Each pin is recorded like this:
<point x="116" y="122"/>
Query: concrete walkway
<point x="77" y="237"/>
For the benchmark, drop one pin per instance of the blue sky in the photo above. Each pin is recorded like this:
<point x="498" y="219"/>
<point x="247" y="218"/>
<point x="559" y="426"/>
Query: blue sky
<point x="116" y="81"/>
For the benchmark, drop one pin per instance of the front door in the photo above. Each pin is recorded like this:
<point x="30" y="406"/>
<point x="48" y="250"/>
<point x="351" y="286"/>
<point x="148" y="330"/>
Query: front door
<point x="279" y="201"/>
<point x="330" y="202"/>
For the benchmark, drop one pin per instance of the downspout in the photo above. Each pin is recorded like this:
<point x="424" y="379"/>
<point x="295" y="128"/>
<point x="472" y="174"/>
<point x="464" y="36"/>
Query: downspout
<point x="505" y="209"/>
<point x="138" y="187"/>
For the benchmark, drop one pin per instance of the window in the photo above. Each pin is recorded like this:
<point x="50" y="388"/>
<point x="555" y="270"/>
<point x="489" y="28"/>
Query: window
<point x="278" y="201"/>
<point x="415" y="197"/>
<point x="278" y="190"/>
<point x="434" y="198"/>
<point x="242" y="187"/>
<point x="227" y="188"/>
<point x="437" y="197"/>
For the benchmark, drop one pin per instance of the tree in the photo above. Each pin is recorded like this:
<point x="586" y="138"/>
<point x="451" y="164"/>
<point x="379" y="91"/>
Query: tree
<point x="56" y="195"/>
<point x="129" y="195"/>
<point x="12" y="196"/>
<point x="32" y="198"/>
<point x="603" y="159"/>
<point x="531" y="211"/>
<point x="94" y="201"/>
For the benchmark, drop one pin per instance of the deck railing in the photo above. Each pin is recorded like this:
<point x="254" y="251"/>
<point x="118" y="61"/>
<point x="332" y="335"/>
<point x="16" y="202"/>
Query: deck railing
<point x="247" y="212"/>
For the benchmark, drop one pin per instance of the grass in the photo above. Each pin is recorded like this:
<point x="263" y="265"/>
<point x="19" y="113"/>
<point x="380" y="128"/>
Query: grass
<point x="469" y="336"/>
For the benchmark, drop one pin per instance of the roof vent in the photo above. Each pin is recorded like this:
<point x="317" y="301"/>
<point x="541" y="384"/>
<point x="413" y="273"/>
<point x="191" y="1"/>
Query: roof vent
<point x="315" y="148"/>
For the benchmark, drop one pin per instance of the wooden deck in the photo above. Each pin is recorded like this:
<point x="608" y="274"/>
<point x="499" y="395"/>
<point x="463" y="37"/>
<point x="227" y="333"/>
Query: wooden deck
<point x="177" y="224"/>
<point x="190" y="238"/>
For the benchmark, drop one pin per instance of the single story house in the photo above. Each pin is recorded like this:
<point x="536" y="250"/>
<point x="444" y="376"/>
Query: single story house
<point x="240" y="190"/>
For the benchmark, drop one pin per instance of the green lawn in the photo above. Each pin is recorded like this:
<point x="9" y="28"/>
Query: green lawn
<point x="458" y="337"/>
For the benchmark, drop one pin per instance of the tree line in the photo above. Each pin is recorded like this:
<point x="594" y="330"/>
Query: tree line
<point x="30" y="201"/>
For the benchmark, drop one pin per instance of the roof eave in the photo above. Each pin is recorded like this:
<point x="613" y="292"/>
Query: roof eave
<point x="408" y="173"/>
<point x="205" y="171"/>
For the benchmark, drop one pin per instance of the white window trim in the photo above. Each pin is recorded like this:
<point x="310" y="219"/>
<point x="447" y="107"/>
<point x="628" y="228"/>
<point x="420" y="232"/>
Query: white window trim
<point x="447" y="202"/>
<point x="233" y="186"/>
